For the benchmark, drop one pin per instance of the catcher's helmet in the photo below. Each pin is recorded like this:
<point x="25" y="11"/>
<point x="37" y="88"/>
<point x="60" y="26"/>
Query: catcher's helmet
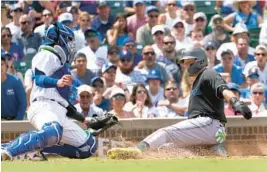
<point x="198" y="54"/>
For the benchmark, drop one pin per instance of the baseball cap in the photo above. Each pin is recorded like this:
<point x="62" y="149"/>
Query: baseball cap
<point x="210" y="44"/>
<point x="151" y="8"/>
<point x="107" y="66"/>
<point x="3" y="56"/>
<point x="16" y="7"/>
<point x="102" y="3"/>
<point x="223" y="50"/>
<point x="263" y="47"/>
<point x="233" y="86"/>
<point x="157" y="28"/>
<point x="135" y="2"/>
<point x="126" y="55"/>
<point x="116" y="91"/>
<point x="65" y="17"/>
<point x="188" y="2"/>
<point x="199" y="15"/>
<point x="216" y="17"/>
<point x="193" y="53"/>
<point x="46" y="11"/>
<point x="93" y="80"/>
<point x="63" y="4"/>
<point x="178" y="21"/>
<point x="240" y="28"/>
<point x="253" y="73"/>
<point x="85" y="88"/>
<point x="153" y="74"/>
<point x="113" y="48"/>
<point x="91" y="32"/>
<point x="129" y="40"/>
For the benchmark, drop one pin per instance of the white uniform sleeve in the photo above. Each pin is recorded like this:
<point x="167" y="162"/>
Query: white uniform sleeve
<point x="46" y="62"/>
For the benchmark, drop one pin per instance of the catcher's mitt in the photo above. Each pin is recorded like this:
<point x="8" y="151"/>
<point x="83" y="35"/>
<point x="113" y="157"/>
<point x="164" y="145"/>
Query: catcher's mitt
<point x="101" y="123"/>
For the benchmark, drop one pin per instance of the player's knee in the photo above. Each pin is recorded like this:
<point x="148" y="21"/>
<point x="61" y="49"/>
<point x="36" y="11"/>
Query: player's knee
<point x="52" y="133"/>
<point x="88" y="149"/>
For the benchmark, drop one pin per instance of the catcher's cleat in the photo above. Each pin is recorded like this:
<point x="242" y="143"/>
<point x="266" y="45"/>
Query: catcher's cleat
<point x="36" y="156"/>
<point x="219" y="150"/>
<point x="124" y="153"/>
<point x="5" y="156"/>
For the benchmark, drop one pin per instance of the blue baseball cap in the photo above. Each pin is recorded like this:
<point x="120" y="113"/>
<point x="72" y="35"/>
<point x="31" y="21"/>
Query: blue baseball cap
<point x="128" y="40"/>
<point x="151" y="8"/>
<point x="91" y="32"/>
<point x="126" y="55"/>
<point x="253" y="73"/>
<point x="93" y="80"/>
<point x="153" y="74"/>
<point x="107" y="66"/>
<point x="210" y="44"/>
<point x="136" y="2"/>
<point x="233" y="86"/>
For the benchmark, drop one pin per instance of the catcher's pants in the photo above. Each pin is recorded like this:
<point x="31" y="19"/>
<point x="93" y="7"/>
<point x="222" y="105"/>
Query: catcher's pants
<point x="44" y="111"/>
<point x="196" y="131"/>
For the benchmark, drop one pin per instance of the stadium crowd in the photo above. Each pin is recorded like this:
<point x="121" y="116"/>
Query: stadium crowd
<point x="127" y="59"/>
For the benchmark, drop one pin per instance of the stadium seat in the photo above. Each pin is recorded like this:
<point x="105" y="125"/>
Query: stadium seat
<point x="254" y="36"/>
<point x="116" y="7"/>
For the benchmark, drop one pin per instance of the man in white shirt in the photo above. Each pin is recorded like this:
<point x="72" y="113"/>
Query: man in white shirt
<point x="14" y="26"/>
<point x="47" y="19"/>
<point x="95" y="53"/>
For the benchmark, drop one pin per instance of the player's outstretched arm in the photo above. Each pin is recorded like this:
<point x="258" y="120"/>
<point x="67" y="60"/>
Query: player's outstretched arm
<point x="237" y="105"/>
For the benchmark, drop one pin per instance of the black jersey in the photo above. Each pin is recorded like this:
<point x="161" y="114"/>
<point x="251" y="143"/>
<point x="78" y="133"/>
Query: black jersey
<point x="206" y="97"/>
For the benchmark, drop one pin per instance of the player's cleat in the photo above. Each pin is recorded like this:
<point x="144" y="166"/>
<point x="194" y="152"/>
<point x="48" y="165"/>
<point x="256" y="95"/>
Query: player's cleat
<point x="219" y="150"/>
<point x="124" y="153"/>
<point x="5" y="156"/>
<point x="36" y="156"/>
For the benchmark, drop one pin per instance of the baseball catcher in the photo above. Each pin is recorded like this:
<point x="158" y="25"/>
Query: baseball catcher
<point x="49" y="112"/>
<point x="206" y="123"/>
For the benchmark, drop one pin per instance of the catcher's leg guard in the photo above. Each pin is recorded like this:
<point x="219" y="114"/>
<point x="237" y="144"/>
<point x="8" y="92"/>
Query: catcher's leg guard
<point x="50" y="135"/>
<point x="84" y="151"/>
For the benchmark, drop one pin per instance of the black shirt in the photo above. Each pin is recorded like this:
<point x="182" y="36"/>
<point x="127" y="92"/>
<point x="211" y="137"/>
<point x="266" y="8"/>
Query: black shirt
<point x="206" y="98"/>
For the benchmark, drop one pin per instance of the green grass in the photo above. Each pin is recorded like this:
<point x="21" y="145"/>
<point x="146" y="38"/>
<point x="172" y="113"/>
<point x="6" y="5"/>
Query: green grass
<point x="162" y="165"/>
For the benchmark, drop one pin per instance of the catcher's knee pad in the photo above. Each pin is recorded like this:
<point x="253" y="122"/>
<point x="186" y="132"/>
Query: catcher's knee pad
<point x="50" y="135"/>
<point x="87" y="149"/>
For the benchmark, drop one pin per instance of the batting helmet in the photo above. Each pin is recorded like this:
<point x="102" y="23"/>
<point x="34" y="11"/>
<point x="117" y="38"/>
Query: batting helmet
<point x="61" y="35"/>
<point x="198" y="54"/>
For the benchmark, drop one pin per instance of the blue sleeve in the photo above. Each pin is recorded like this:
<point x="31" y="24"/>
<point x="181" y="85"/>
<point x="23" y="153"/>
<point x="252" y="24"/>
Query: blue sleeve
<point x="22" y="101"/>
<point x="20" y="51"/>
<point x="44" y="81"/>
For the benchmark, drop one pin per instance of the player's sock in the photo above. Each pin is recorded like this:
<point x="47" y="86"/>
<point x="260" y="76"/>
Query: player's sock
<point x="143" y="146"/>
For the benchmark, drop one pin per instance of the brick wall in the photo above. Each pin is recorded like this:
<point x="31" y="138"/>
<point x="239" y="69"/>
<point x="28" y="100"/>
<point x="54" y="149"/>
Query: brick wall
<point x="238" y="129"/>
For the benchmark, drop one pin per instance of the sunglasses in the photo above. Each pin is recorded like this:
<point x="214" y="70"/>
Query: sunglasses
<point x="211" y="48"/>
<point x="24" y="22"/>
<point x="170" y="42"/>
<point x="179" y="26"/>
<point x="257" y="92"/>
<point x="200" y="20"/>
<point x="171" y="89"/>
<point x="85" y="96"/>
<point x="227" y="58"/>
<point x="153" y="16"/>
<point x="172" y="4"/>
<point x="18" y="10"/>
<point x="111" y="71"/>
<point x="149" y="53"/>
<point x="6" y="36"/>
<point x="141" y="92"/>
<point x="113" y="52"/>
<point x="189" y="9"/>
<point x="47" y="15"/>
<point x="126" y="60"/>
<point x="258" y="54"/>
<point x="130" y="45"/>
<point x="98" y="85"/>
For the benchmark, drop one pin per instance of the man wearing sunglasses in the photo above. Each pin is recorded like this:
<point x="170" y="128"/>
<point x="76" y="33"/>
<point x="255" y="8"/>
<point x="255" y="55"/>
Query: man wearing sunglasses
<point x="200" y="21"/>
<point x="258" y="94"/>
<point x="206" y="119"/>
<point x="47" y="18"/>
<point x="129" y="44"/>
<point x="188" y="12"/>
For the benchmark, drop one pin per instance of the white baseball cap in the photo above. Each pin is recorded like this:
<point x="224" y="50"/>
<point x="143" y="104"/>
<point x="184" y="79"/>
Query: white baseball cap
<point x="115" y="91"/>
<point x="157" y="28"/>
<point x="200" y="15"/>
<point x="65" y="17"/>
<point x="85" y="88"/>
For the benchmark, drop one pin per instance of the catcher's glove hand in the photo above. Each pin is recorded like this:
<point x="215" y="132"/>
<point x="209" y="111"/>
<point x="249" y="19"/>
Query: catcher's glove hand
<point x="101" y="123"/>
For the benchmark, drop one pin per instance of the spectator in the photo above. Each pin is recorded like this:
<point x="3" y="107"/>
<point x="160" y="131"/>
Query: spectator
<point x="171" y="106"/>
<point x="158" y="33"/>
<point x="143" y="34"/>
<point x="155" y="91"/>
<point x="29" y="41"/>
<point x="138" y="19"/>
<point x="75" y="14"/>
<point x="257" y="99"/>
<point x="140" y="103"/>
<point x="89" y="7"/>
<point x="242" y="57"/>
<point x="169" y="57"/>
<point x="243" y="15"/>
<point x="129" y="44"/>
<point x="222" y="9"/>
<point x="119" y="33"/>
<point x="103" y="21"/>
<point x="66" y="19"/>
<point x="178" y="31"/>
<point x="186" y="87"/>
<point x="171" y="15"/>
<point x="260" y="63"/>
<point x="16" y="12"/>
<point x="226" y="56"/>
<point x="218" y="34"/>
<point x="263" y="34"/>
<point x="12" y="48"/>
<point x="98" y="89"/>
<point x="80" y="71"/>
<point x="95" y="53"/>
<point x="126" y="75"/>
<point x="85" y="96"/>
<point x="109" y="74"/>
<point x="13" y="98"/>
<point x="197" y="37"/>
<point x="228" y="109"/>
<point x="11" y="67"/>
<point x="149" y="63"/>
<point x="114" y="55"/>
<point x="118" y="100"/>
<point x="84" y="23"/>
<point x="200" y="22"/>
<point x="62" y="8"/>
<point x="188" y="12"/>
<point x="4" y="15"/>
<point x="211" y="49"/>
<point x="47" y="18"/>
